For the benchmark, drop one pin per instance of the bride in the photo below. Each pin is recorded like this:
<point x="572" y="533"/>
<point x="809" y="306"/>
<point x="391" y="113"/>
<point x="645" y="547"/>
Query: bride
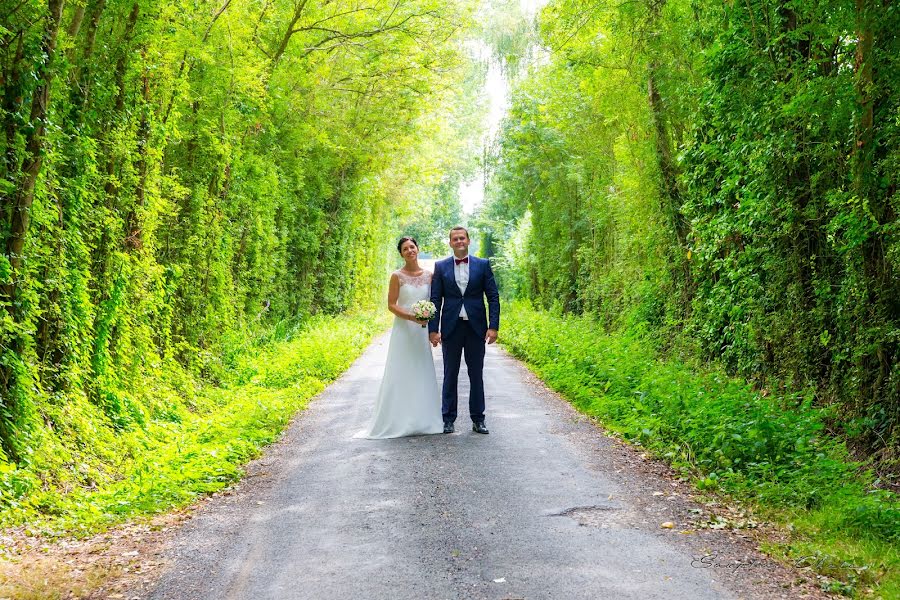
<point x="408" y="400"/>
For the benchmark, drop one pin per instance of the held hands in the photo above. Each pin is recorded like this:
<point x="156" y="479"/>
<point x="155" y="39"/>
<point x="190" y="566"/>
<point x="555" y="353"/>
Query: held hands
<point x="434" y="338"/>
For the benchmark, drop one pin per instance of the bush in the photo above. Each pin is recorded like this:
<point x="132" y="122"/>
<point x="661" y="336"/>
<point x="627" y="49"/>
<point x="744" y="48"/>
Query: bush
<point x="91" y="474"/>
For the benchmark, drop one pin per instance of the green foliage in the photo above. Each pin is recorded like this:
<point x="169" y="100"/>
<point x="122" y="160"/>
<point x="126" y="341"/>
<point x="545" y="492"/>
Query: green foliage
<point x="785" y="282"/>
<point x="724" y="173"/>
<point x="434" y="217"/>
<point x="771" y="450"/>
<point x="435" y="207"/>
<point x="192" y="170"/>
<point x="177" y="178"/>
<point x="504" y="26"/>
<point x="88" y="473"/>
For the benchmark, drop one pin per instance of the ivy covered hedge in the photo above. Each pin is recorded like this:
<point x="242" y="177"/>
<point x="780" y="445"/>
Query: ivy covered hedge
<point x="176" y="174"/>
<point x="728" y="170"/>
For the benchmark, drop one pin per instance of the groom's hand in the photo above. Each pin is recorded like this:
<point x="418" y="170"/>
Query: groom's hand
<point x="491" y="336"/>
<point x="434" y="338"/>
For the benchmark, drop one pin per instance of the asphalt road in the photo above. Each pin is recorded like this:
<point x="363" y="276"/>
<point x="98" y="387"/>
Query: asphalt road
<point x="535" y="510"/>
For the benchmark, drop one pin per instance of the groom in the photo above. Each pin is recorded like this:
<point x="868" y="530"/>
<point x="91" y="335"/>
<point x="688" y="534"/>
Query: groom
<point x="458" y="289"/>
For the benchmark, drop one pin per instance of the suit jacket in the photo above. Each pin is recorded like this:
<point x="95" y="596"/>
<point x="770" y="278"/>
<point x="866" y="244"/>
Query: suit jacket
<point x="449" y="300"/>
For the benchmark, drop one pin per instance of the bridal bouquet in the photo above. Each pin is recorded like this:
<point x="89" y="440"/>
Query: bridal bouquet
<point x="423" y="310"/>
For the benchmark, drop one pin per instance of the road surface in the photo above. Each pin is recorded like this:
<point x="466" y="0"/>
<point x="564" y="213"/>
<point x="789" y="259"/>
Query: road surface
<point x="546" y="506"/>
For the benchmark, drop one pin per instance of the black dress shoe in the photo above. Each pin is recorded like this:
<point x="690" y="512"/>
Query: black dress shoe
<point x="478" y="427"/>
<point x="448" y="427"/>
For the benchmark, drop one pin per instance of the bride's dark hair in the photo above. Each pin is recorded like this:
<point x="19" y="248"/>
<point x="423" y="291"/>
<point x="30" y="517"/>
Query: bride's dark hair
<point x="405" y="239"/>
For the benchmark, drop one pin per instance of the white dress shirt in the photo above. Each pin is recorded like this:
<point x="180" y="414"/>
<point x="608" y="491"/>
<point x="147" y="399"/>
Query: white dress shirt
<point x="461" y="272"/>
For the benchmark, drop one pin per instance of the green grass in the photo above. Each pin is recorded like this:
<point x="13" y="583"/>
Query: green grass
<point x="86" y="474"/>
<point x="766" y="450"/>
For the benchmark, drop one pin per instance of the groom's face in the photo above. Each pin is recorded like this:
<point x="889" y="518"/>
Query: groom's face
<point x="459" y="241"/>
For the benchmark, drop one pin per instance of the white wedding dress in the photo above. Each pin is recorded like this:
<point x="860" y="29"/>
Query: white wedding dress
<point x="408" y="402"/>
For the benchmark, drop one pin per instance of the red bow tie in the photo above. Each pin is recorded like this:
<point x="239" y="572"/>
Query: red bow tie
<point x="462" y="260"/>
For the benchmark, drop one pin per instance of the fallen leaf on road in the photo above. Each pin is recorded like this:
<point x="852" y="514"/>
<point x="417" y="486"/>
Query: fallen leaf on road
<point x="668" y="525"/>
<point x="501" y="580"/>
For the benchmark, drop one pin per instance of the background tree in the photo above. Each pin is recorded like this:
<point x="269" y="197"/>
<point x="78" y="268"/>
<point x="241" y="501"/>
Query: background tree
<point x="719" y="174"/>
<point x="175" y="173"/>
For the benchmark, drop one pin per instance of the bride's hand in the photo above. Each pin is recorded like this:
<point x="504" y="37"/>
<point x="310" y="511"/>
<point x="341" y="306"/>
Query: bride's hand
<point x="417" y="321"/>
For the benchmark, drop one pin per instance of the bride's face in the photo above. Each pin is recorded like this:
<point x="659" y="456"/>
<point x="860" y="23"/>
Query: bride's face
<point x="409" y="251"/>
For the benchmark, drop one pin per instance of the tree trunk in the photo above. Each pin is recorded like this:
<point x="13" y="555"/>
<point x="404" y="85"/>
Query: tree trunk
<point x="133" y="236"/>
<point x="75" y="25"/>
<point x="670" y="191"/>
<point x="12" y="104"/>
<point x="670" y="188"/>
<point x="31" y="166"/>
<point x="121" y="66"/>
<point x="668" y="170"/>
<point x="882" y="283"/>
<point x="81" y="88"/>
<point x="184" y="64"/>
<point x="20" y="218"/>
<point x="94" y="25"/>
<point x="104" y="248"/>
<point x="288" y="33"/>
<point x="862" y="150"/>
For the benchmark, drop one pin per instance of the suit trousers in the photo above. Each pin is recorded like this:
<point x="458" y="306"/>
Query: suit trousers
<point x="463" y="340"/>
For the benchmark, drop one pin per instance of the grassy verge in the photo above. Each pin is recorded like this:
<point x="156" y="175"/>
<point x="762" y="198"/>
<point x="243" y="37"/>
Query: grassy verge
<point x="194" y="438"/>
<point x="768" y="451"/>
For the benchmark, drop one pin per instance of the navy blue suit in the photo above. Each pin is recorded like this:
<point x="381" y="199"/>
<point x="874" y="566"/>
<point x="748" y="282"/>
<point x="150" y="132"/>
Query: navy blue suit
<point x="460" y="336"/>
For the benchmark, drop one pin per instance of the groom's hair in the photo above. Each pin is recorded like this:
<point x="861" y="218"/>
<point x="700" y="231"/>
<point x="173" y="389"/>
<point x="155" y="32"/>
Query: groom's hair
<point x="405" y="239"/>
<point x="460" y="228"/>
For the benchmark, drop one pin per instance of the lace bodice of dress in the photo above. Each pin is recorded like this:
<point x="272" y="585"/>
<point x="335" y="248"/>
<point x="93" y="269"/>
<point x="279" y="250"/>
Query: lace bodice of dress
<point x="413" y="289"/>
<point x="406" y="279"/>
